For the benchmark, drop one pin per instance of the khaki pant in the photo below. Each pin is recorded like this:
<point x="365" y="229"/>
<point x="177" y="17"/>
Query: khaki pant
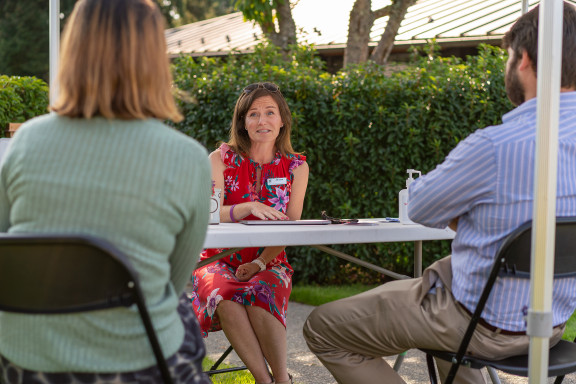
<point x="350" y="336"/>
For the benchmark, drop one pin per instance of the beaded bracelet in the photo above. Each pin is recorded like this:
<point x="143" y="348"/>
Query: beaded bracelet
<point x="259" y="263"/>
<point x="232" y="213"/>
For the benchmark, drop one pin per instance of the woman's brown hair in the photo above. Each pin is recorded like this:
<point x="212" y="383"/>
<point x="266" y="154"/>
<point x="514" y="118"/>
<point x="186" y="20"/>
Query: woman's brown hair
<point x="114" y="62"/>
<point x="239" y="140"/>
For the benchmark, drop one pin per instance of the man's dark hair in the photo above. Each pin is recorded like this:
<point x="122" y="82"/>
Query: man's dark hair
<point x="523" y="36"/>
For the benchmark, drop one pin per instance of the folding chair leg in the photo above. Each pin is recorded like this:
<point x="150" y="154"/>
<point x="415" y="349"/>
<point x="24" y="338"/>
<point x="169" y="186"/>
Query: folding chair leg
<point x="559" y="379"/>
<point x="156" y="348"/>
<point x="431" y="369"/>
<point x="214" y="369"/>
<point x="221" y="359"/>
<point x="493" y="375"/>
<point x="399" y="361"/>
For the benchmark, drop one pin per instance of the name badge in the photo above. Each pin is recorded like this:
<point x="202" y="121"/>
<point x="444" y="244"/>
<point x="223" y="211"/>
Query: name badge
<point x="277" y="181"/>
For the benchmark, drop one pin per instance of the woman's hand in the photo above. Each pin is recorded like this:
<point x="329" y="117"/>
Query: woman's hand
<point x="264" y="212"/>
<point x="246" y="271"/>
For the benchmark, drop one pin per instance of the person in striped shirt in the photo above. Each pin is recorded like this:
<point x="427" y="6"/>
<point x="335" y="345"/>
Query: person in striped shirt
<point x="483" y="190"/>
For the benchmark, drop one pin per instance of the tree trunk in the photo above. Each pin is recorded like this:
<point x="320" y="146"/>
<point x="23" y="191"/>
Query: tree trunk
<point x="359" y="26"/>
<point x="268" y="27"/>
<point x="286" y="23"/>
<point x="286" y="34"/>
<point x="397" y="13"/>
<point x="262" y="12"/>
<point x="361" y="21"/>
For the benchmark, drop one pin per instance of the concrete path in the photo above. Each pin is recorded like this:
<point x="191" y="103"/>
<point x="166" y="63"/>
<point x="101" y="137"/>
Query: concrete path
<point x="306" y="369"/>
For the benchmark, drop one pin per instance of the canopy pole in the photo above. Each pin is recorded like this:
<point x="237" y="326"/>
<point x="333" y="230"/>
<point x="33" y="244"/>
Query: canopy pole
<point x="524" y="6"/>
<point x="545" y="177"/>
<point x="54" y="48"/>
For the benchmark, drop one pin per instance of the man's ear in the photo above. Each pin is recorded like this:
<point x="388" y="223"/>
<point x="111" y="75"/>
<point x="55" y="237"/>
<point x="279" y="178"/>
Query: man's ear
<point x="525" y="61"/>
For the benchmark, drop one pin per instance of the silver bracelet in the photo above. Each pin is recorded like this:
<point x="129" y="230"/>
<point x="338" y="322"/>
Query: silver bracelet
<point x="259" y="263"/>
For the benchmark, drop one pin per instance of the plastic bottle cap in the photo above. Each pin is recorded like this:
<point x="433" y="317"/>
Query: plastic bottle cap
<point x="410" y="179"/>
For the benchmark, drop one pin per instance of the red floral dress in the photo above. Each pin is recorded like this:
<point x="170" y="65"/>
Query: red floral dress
<point x="269" y="289"/>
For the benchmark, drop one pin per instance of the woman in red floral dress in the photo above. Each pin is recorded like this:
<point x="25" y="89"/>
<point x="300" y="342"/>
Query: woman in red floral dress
<point x="246" y="294"/>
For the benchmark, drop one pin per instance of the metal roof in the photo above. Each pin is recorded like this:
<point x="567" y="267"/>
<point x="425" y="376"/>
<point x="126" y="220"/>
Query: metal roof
<point x="219" y="35"/>
<point x="465" y="22"/>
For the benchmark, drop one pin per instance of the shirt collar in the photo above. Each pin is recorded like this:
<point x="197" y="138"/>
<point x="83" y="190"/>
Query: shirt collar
<point x="567" y="99"/>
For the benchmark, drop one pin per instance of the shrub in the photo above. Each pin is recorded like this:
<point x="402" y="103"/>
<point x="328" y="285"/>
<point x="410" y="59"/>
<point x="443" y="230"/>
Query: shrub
<point x="360" y="130"/>
<point x="21" y="98"/>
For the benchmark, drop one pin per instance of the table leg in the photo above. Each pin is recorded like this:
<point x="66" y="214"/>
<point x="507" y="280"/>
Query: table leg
<point x="217" y="257"/>
<point x="493" y="375"/>
<point x="417" y="273"/>
<point x="418" y="258"/>
<point x="363" y="263"/>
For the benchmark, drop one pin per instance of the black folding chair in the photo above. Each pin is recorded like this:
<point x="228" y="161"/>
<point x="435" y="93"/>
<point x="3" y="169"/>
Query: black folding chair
<point x="214" y="369"/>
<point x="53" y="274"/>
<point x="513" y="260"/>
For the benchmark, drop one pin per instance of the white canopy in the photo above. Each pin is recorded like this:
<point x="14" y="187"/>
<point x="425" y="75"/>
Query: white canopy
<point x="544" y="221"/>
<point x="543" y="238"/>
<point x="54" y="47"/>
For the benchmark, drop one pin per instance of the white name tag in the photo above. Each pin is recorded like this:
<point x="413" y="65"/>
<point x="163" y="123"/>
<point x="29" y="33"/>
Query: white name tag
<point x="277" y="181"/>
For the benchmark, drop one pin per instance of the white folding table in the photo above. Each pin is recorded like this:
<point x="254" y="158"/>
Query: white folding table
<point x="237" y="236"/>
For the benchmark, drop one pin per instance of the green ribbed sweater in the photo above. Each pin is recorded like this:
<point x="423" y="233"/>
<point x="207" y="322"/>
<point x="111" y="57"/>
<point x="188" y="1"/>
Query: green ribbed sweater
<point x="138" y="183"/>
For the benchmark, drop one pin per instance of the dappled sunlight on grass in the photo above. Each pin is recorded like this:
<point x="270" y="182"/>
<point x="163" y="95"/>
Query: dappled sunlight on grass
<point x="239" y="377"/>
<point x="570" y="332"/>
<point x="317" y="295"/>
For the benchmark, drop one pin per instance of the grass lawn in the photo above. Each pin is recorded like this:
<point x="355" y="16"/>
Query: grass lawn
<point x="238" y="377"/>
<point x="317" y="295"/>
<point x="570" y="332"/>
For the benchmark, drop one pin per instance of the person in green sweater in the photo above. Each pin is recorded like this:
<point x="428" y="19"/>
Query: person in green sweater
<point x="104" y="164"/>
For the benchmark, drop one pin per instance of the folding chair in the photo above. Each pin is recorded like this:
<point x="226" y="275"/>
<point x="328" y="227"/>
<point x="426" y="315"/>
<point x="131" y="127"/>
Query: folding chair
<point x="513" y="260"/>
<point x="54" y="274"/>
<point x="214" y="369"/>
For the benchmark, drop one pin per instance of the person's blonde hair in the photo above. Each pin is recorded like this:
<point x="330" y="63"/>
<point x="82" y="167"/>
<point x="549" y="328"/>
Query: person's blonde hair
<point x="114" y="62"/>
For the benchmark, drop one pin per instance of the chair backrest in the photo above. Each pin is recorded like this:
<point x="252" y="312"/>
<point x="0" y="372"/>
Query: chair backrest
<point x="54" y="273"/>
<point x="515" y="252"/>
<point x="62" y="274"/>
<point x="514" y="256"/>
<point x="514" y="259"/>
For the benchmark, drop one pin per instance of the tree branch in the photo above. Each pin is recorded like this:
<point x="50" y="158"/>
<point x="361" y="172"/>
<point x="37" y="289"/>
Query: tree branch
<point x="382" y="12"/>
<point x="397" y="13"/>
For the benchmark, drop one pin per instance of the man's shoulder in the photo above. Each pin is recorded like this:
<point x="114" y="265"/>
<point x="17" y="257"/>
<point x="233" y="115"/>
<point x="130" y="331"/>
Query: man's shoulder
<point x="521" y="128"/>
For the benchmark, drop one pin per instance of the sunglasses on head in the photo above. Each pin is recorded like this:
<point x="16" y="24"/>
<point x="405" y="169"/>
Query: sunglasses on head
<point x="267" y="86"/>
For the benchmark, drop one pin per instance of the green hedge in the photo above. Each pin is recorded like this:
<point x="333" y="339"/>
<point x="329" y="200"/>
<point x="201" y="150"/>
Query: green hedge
<point x="360" y="130"/>
<point x="21" y="98"/>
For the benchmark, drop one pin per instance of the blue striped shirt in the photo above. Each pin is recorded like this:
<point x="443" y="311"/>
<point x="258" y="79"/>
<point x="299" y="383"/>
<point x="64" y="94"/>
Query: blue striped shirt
<point x="488" y="181"/>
